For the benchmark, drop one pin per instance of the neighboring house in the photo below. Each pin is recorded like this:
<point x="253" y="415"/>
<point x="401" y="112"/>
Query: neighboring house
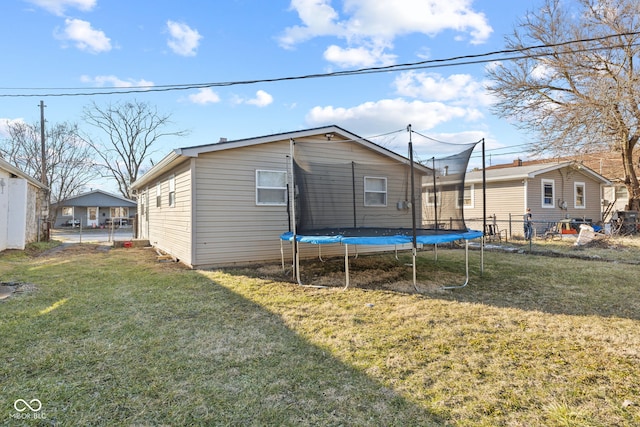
<point x="553" y="191"/>
<point x="228" y="202"/>
<point x="94" y="209"/>
<point x="22" y="208"/>
<point x="609" y="165"/>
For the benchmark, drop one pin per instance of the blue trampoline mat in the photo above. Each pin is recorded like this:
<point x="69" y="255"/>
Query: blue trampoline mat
<point x="384" y="237"/>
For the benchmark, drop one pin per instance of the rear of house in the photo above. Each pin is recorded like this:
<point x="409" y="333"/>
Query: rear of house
<point x="228" y="203"/>
<point x="554" y="192"/>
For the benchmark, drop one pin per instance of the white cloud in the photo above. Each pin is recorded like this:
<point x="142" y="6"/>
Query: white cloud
<point x="204" y="96"/>
<point x="371" y="24"/>
<point x="57" y="7"/>
<point x="460" y="89"/>
<point x="111" y="80"/>
<point x="4" y="126"/>
<point x="541" y="72"/>
<point x="318" y="18"/>
<point x="84" y="37"/>
<point x="357" y="57"/>
<point x="183" y="39"/>
<point x="262" y="99"/>
<point x="380" y="116"/>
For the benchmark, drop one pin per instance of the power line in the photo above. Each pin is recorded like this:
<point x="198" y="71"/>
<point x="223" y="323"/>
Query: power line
<point x="433" y="63"/>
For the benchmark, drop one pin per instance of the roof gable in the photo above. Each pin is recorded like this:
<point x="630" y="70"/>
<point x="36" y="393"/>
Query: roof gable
<point x="97" y="198"/>
<point x="530" y="171"/>
<point x="17" y="172"/>
<point x="179" y="155"/>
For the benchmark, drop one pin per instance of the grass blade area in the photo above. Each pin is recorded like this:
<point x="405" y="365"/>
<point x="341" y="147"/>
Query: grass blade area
<point x="116" y="338"/>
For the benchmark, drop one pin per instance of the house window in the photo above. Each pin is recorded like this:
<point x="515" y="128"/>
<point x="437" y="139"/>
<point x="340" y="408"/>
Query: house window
<point x="172" y="191"/>
<point x="579" y="195"/>
<point x="433" y="197"/>
<point x="621" y="192"/>
<point x="119" y="212"/>
<point x="67" y="211"/>
<point x="158" y="195"/>
<point x="468" y="199"/>
<point x="271" y="187"/>
<point x="548" y="193"/>
<point x="375" y="191"/>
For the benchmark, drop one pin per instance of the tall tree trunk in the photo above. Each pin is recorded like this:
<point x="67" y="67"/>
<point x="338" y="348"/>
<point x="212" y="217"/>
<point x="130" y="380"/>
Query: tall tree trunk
<point x="631" y="178"/>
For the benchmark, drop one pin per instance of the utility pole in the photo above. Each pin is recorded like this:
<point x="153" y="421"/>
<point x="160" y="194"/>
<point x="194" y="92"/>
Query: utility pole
<point x="43" y="158"/>
<point x="43" y="178"/>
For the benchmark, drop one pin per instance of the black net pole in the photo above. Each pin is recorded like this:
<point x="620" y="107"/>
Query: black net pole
<point x="435" y="194"/>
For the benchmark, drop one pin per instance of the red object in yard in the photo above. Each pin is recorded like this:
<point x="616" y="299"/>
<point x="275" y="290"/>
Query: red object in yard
<point x="128" y="244"/>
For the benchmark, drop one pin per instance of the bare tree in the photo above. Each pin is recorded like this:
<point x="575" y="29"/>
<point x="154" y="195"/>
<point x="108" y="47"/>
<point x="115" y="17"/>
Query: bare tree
<point x="68" y="159"/>
<point x="130" y="129"/>
<point x="581" y="92"/>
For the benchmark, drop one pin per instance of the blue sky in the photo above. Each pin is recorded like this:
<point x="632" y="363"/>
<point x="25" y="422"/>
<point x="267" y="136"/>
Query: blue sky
<point x="50" y="45"/>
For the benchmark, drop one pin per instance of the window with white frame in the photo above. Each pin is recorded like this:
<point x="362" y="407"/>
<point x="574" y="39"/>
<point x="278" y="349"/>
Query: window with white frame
<point x="158" y="195"/>
<point x="468" y="198"/>
<point x="119" y="212"/>
<point x="375" y="191"/>
<point x="579" y="201"/>
<point x="271" y="187"/>
<point x="172" y="191"/>
<point x="67" y="211"/>
<point x="548" y="193"/>
<point x="432" y="197"/>
<point x="621" y="192"/>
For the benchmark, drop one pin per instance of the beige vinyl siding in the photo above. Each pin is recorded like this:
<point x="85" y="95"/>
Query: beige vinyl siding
<point x="564" y="181"/>
<point x="231" y="228"/>
<point x="170" y="226"/>
<point x="503" y="198"/>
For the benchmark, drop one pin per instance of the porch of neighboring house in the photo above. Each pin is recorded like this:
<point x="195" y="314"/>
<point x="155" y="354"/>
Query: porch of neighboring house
<point x="94" y="217"/>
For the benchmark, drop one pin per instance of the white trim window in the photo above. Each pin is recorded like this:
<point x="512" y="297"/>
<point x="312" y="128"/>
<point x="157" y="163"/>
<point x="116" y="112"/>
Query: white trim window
<point x="468" y="197"/>
<point x="375" y="191"/>
<point x="430" y="200"/>
<point x="158" y="195"/>
<point x="271" y="188"/>
<point x="579" y="195"/>
<point x="67" y="211"/>
<point x="548" y="192"/>
<point x="172" y="191"/>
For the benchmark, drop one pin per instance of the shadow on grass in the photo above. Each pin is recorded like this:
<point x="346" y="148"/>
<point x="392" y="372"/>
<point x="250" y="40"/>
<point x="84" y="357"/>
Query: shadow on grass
<point x="151" y="345"/>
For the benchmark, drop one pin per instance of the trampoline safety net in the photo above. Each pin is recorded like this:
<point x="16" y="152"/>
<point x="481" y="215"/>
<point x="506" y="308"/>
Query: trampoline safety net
<point x="351" y="198"/>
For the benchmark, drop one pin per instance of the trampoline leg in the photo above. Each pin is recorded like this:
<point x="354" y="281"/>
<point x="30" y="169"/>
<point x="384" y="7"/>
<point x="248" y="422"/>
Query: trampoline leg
<point x="482" y="257"/>
<point x="413" y="254"/>
<point x="466" y="265"/>
<point x="346" y="266"/>
<point x="320" y="253"/>
<point x="282" y="255"/>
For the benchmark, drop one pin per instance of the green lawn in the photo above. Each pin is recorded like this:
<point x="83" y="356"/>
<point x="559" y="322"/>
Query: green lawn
<point x="117" y="338"/>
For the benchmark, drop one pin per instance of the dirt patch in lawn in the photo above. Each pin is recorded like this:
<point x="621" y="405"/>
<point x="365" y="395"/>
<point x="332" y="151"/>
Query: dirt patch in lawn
<point x="8" y="289"/>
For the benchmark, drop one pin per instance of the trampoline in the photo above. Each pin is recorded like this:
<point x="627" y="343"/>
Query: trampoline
<point x="345" y="203"/>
